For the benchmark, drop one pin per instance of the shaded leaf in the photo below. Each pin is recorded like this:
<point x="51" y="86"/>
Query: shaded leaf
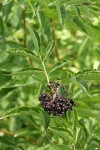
<point x="46" y="120"/>
<point x="8" y="140"/>
<point x="61" y="13"/>
<point x="75" y="119"/>
<point x="5" y="91"/>
<point x="80" y="24"/>
<point x="1" y="26"/>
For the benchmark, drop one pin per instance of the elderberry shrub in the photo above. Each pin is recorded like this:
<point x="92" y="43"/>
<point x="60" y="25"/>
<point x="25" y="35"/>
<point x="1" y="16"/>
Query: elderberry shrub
<point x="55" y="101"/>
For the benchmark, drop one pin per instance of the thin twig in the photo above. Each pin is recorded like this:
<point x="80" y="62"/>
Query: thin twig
<point x="6" y="132"/>
<point x="25" y="35"/>
<point x="55" y="39"/>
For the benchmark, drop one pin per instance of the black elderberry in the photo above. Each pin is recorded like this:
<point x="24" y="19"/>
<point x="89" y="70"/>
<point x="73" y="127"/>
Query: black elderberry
<point x="54" y="102"/>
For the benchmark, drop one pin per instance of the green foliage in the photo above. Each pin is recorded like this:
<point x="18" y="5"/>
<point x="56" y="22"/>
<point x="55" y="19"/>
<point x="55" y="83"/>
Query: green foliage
<point x="40" y="41"/>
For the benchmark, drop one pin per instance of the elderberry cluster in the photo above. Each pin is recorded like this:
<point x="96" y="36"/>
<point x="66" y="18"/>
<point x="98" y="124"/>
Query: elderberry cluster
<point x="54" y="102"/>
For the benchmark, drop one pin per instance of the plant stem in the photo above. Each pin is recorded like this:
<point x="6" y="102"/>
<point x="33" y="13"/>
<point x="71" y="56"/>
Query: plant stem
<point x="74" y="147"/>
<point x="45" y="71"/>
<point x="25" y="35"/>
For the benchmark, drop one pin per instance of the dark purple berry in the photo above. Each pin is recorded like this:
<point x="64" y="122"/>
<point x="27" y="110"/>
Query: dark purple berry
<point x="56" y="105"/>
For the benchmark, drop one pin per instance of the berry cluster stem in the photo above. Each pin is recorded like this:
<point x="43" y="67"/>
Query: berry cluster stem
<point x="45" y="71"/>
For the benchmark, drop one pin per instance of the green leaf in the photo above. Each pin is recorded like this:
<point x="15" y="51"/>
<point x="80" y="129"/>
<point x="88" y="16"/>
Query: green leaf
<point x="61" y="121"/>
<point x="1" y="26"/>
<point x="61" y="13"/>
<point x="26" y="71"/>
<point x="58" y="65"/>
<point x="78" y="2"/>
<point x="76" y="10"/>
<point x="81" y="83"/>
<point x="81" y="49"/>
<point x="8" y="140"/>
<point x="31" y="6"/>
<point x="80" y="24"/>
<point x="79" y="134"/>
<point x="6" y="2"/>
<point x="49" y="50"/>
<point x="4" y="78"/>
<point x="75" y="119"/>
<point x="86" y="11"/>
<point x="19" y="111"/>
<point x="58" y="131"/>
<point x="85" y="112"/>
<point x="22" y="52"/>
<point x="89" y="75"/>
<point x="35" y="37"/>
<point x="89" y="141"/>
<point x="59" y="147"/>
<point x="84" y="85"/>
<point x="7" y="9"/>
<point x="46" y="120"/>
<point x="5" y="91"/>
<point x="42" y="2"/>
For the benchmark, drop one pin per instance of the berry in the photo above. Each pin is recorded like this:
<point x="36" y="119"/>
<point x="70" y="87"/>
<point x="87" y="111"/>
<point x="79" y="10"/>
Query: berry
<point x="53" y="102"/>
